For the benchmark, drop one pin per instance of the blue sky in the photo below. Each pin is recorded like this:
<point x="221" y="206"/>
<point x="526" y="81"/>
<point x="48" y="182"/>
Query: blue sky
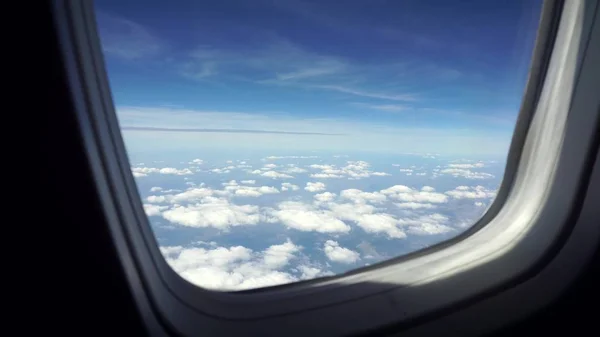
<point x="279" y="141"/>
<point x="428" y="76"/>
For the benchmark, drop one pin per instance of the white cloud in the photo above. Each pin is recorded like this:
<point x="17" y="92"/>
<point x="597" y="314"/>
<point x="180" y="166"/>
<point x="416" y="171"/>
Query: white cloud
<point x="274" y="175"/>
<point x="314" y="187"/>
<point x="294" y="170"/>
<point x="467" y="166"/>
<point x="157" y="199"/>
<point x="230" y="183"/>
<point x="407" y="194"/>
<point x="153" y="210"/>
<point x="308" y="272"/>
<point x="291" y="157"/>
<point x="477" y="192"/>
<point x="306" y="218"/>
<point x="406" y="170"/>
<point x="278" y="256"/>
<point x="191" y="195"/>
<point x="359" y="196"/>
<point x="144" y="171"/>
<point x="353" y="170"/>
<point x="238" y="267"/>
<point x="324" y="197"/>
<point x="172" y="170"/>
<point x="479" y="204"/>
<point x="325" y="175"/>
<point x="336" y="253"/>
<point x="427" y="189"/>
<point x="156" y="189"/>
<point x="321" y="167"/>
<point x="248" y="191"/>
<point x="248" y="182"/>
<point x="197" y="161"/>
<point x="220" y="170"/>
<point x="465" y="173"/>
<point x="365" y="218"/>
<point x="430" y="224"/>
<point x="289" y="186"/>
<point x="268" y="190"/>
<point x="213" y="212"/>
<point x="414" y="205"/>
<point x="270" y="166"/>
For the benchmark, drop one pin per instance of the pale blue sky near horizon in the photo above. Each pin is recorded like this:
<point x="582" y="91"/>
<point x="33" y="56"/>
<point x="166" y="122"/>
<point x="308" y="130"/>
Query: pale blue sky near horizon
<point x="373" y="76"/>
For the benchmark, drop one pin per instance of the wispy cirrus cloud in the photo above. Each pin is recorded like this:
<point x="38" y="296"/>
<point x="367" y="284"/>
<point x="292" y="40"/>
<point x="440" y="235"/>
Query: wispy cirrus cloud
<point x="126" y="39"/>
<point x="370" y="94"/>
<point x="383" y="107"/>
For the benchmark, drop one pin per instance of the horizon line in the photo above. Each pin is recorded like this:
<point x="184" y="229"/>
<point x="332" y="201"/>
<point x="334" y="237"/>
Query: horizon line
<point x="201" y="130"/>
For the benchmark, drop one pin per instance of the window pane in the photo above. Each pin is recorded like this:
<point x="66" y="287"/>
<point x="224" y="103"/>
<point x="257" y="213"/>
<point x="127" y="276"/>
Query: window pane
<point x="278" y="141"/>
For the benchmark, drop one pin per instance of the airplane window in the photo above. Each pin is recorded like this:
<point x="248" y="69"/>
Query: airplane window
<point x="280" y="141"/>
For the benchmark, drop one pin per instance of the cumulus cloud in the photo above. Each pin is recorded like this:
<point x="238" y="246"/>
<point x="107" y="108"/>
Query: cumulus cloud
<point x="153" y="210"/>
<point x="306" y="218"/>
<point x="466" y="192"/>
<point x="308" y="272"/>
<point x="325" y="197"/>
<point x="407" y="194"/>
<point x="238" y="267"/>
<point x="414" y="205"/>
<point x="190" y="195"/>
<point x="289" y="186"/>
<point x="430" y="224"/>
<point x="174" y="171"/>
<point x="467" y="166"/>
<point x="230" y="183"/>
<point x="156" y="189"/>
<point x="294" y="169"/>
<point x="273" y="174"/>
<point x="325" y="175"/>
<point x="213" y="212"/>
<point x="353" y="170"/>
<point x="314" y="187"/>
<point x="249" y="191"/>
<point x="248" y="182"/>
<point x="197" y="161"/>
<point x="336" y="253"/>
<point x="466" y="173"/>
<point x="143" y="171"/>
<point x="365" y="217"/>
<point x="291" y="157"/>
<point x="358" y="196"/>
<point x="278" y="256"/>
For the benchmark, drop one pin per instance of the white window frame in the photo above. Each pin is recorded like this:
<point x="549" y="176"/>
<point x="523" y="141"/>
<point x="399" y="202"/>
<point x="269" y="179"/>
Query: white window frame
<point x="535" y="236"/>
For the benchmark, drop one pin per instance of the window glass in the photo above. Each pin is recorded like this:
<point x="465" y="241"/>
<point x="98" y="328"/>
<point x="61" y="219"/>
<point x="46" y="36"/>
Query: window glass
<point x="278" y="141"/>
